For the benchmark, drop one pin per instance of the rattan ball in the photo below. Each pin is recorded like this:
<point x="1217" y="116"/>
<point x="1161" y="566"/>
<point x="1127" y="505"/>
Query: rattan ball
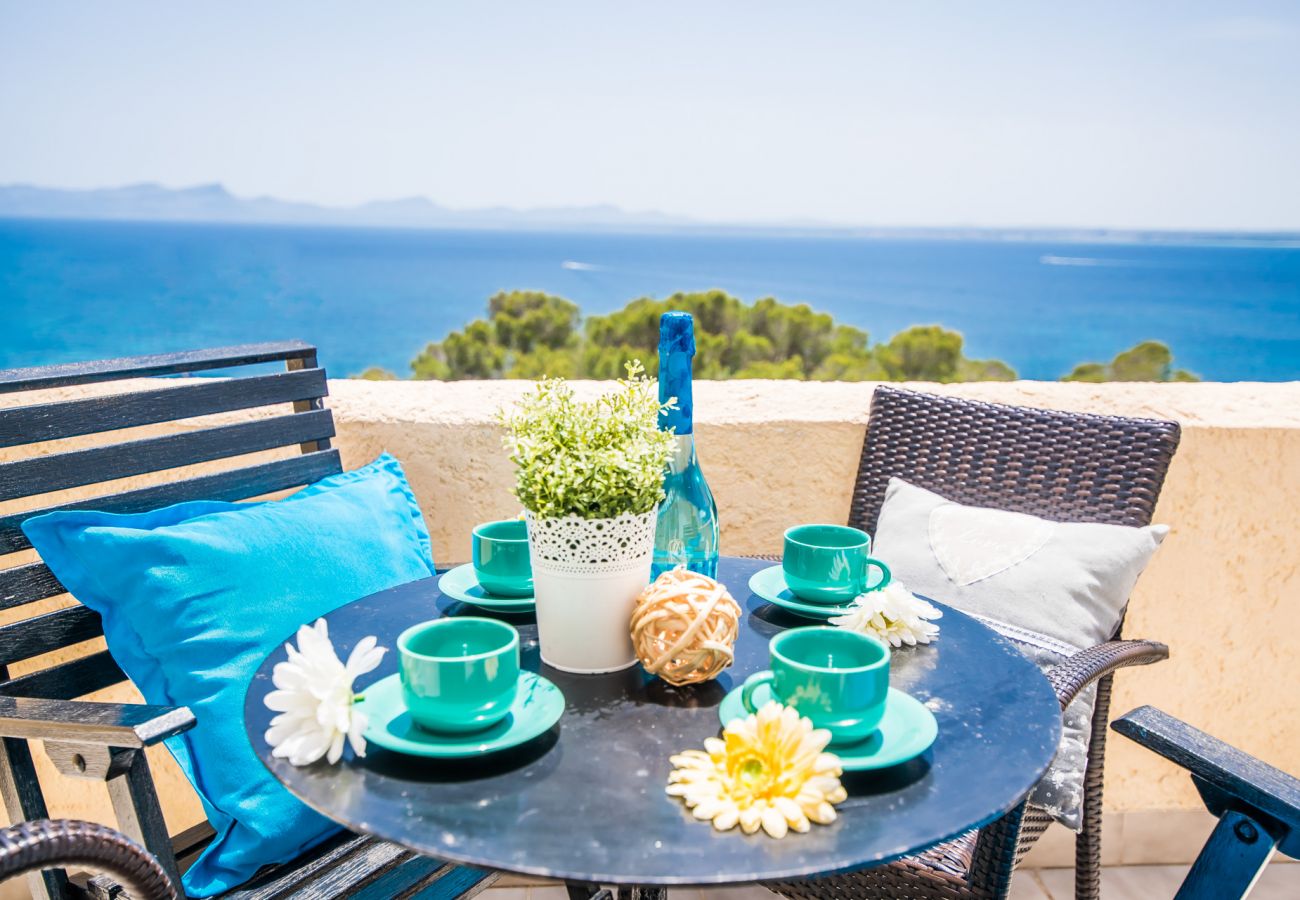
<point x="684" y="627"/>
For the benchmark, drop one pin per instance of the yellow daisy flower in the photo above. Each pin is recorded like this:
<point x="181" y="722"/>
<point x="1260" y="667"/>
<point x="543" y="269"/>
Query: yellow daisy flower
<point x="767" y="771"/>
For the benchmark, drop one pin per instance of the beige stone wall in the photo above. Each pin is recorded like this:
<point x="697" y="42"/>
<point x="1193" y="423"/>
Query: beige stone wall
<point x="1222" y="591"/>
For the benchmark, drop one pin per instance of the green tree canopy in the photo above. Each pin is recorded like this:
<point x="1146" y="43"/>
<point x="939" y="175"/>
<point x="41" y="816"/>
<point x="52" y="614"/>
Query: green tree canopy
<point x="528" y="334"/>
<point x="1148" y="361"/>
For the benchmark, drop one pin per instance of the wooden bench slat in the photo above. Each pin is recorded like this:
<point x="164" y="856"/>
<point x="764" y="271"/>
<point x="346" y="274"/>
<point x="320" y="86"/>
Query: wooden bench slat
<point x="52" y="421"/>
<point x="345" y="877"/>
<point x="59" y="471"/>
<point x="67" y="681"/>
<point x="406" y="879"/>
<point x="361" y="867"/>
<point x="197" y="836"/>
<point x="281" y="881"/>
<point x="36" y="377"/>
<point x="448" y="883"/>
<point x="26" y="584"/>
<point x="381" y="871"/>
<point x="50" y="631"/>
<point x="234" y="484"/>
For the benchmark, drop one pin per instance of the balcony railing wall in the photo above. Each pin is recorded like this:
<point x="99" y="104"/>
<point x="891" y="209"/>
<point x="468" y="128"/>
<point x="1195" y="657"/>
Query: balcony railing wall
<point x="1223" y="591"/>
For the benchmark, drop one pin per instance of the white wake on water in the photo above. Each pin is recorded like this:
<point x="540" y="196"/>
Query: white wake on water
<point x="1083" y="261"/>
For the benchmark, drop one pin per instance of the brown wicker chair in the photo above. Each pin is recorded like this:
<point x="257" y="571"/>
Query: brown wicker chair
<point x="1058" y="465"/>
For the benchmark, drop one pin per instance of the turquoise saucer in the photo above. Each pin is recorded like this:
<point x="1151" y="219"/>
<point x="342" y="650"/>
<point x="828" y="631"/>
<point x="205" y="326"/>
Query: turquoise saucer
<point x="770" y="584"/>
<point x="538" y="706"/>
<point x="907" y="730"/>
<point x="460" y="584"/>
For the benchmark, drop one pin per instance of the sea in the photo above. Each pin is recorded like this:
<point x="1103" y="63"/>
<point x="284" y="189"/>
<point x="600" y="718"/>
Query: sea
<point x="80" y="290"/>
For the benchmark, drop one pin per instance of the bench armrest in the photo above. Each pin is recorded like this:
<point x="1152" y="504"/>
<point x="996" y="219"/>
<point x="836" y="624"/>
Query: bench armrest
<point x="1226" y="777"/>
<point x="1072" y="675"/>
<point x="83" y="722"/>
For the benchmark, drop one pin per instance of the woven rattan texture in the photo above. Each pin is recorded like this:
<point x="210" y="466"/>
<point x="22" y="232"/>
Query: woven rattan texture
<point x="1058" y="465"/>
<point x="30" y="846"/>
<point x="1074" y="674"/>
<point x="1068" y="467"/>
<point x="684" y="627"/>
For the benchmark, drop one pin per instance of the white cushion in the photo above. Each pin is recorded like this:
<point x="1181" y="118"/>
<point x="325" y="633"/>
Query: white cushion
<point x="1054" y="588"/>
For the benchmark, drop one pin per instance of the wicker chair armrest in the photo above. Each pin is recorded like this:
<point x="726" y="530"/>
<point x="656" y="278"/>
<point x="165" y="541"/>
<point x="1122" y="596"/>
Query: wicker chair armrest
<point x="129" y="725"/>
<point x="1074" y="674"/>
<point x="29" y="846"/>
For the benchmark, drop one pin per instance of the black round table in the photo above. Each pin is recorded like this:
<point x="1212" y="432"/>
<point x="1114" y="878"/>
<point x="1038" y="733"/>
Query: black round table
<point x="586" y="801"/>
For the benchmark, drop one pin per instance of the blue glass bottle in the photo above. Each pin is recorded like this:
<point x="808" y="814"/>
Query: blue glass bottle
<point x="687" y="531"/>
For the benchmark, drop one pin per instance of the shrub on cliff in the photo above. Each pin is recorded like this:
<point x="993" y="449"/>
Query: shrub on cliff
<point x="528" y="334"/>
<point x="1148" y="361"/>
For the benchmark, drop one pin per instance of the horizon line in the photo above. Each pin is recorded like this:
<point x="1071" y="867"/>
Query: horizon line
<point x="637" y="218"/>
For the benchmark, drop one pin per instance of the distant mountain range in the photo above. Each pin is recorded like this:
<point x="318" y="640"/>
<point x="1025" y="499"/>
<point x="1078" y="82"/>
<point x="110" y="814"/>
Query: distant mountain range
<point x="213" y="203"/>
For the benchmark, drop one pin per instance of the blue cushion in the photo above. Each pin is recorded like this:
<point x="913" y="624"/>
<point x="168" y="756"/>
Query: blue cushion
<point x="196" y="595"/>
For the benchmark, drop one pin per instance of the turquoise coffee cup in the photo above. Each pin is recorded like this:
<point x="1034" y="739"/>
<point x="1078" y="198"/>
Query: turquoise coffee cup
<point x="830" y="563"/>
<point x="500" y="553"/>
<point x="837" y="678"/>
<point x="459" y="674"/>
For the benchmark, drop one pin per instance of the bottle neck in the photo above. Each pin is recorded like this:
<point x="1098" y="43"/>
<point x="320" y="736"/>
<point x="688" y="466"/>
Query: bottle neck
<point x="675" y="381"/>
<point x="683" y="453"/>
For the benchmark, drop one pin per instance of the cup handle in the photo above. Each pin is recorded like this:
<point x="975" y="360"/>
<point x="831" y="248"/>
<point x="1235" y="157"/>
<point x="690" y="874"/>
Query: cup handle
<point x="753" y="683"/>
<point x="885" y="575"/>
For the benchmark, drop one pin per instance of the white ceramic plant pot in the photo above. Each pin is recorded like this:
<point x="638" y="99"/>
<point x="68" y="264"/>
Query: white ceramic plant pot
<point x="587" y="574"/>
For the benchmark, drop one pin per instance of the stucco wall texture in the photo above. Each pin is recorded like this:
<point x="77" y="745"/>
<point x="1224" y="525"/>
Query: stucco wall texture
<point x="1222" y="591"/>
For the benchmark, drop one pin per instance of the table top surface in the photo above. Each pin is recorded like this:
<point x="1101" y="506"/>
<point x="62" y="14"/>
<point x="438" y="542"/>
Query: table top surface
<point x="586" y="801"/>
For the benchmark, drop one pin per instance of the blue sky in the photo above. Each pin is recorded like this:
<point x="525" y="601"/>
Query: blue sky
<point x="1177" y="115"/>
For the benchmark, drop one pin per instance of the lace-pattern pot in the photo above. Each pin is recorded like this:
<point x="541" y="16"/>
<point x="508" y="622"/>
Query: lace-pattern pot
<point x="587" y="574"/>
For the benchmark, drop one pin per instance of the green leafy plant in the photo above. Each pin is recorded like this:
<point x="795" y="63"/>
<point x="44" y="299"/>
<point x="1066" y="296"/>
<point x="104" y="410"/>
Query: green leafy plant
<point x="596" y="459"/>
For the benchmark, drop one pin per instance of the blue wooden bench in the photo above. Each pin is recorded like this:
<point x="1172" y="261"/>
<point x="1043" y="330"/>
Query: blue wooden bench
<point x="106" y="741"/>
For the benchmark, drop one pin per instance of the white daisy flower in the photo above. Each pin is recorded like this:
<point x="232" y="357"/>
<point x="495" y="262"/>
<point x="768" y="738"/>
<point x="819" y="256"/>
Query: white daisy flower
<point x="894" y="614"/>
<point x="314" y="698"/>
